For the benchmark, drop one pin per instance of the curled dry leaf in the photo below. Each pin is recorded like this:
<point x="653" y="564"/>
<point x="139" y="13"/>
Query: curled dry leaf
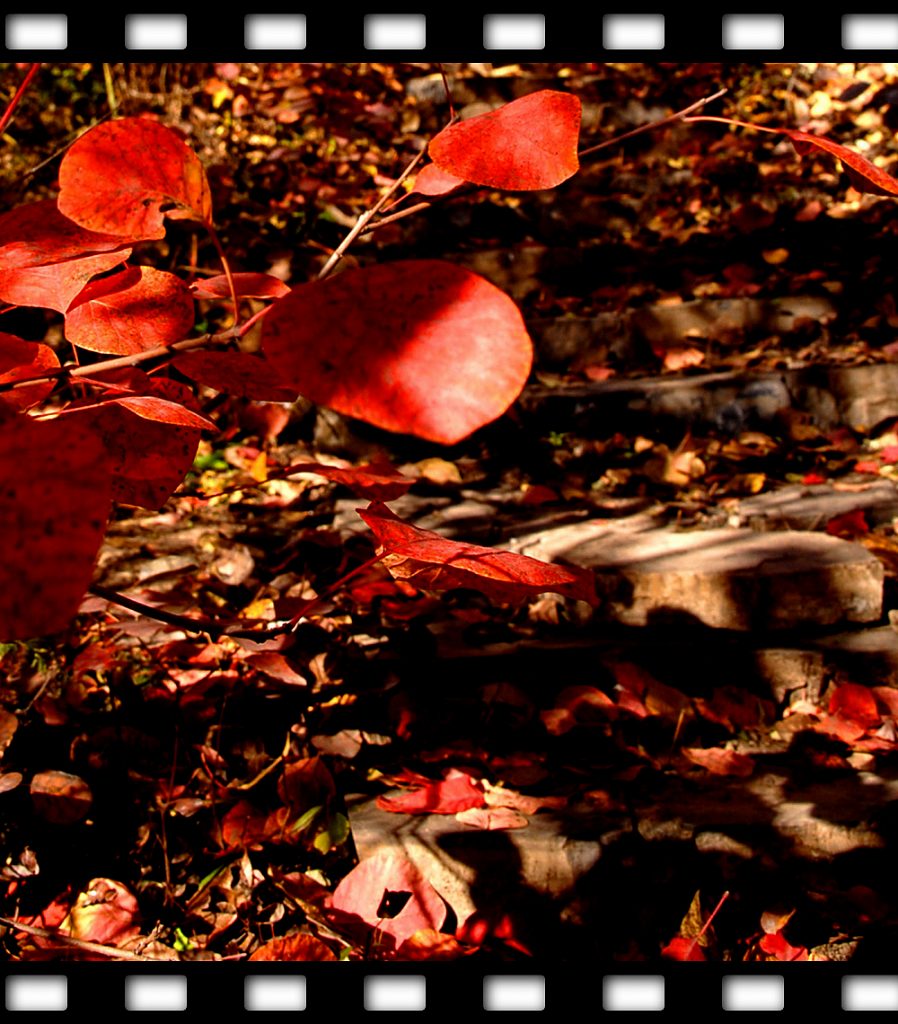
<point x="8" y="725"/>
<point x="294" y="947"/>
<point x="125" y="177"/>
<point x="60" y="797"/>
<point x="530" y="143"/>
<point x="376" y="481"/>
<point x="20" y="359"/>
<point x="381" y="343"/>
<point x="431" y="562"/>
<point x="720" y="761"/>
<point x="54" y="505"/>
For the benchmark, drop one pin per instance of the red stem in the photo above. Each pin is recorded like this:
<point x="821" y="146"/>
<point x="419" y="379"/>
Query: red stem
<point x="20" y="92"/>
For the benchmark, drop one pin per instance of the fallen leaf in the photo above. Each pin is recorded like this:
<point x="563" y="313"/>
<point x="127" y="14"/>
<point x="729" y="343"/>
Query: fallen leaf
<point x="294" y="947"/>
<point x="492" y="818"/>
<point x="60" y="798"/>
<point x="720" y="761"/>
<point x="457" y="791"/>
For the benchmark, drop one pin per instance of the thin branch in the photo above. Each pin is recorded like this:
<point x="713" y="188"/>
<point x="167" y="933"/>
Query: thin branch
<point x="19" y="93"/>
<point x="82" y="944"/>
<point x="226" y="267"/>
<point x="732" y="121"/>
<point x="653" y="125"/>
<point x="359" y="227"/>
<point x="448" y="91"/>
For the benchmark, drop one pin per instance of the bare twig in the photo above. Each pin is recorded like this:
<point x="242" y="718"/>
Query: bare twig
<point x="448" y="91"/>
<point x="73" y="943"/>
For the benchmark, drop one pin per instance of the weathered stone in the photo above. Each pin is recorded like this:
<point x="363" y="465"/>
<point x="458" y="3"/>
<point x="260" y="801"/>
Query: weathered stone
<point x="791" y="672"/>
<point x="480" y="870"/>
<point x="868" y="655"/>
<point x="856" y="396"/>
<point x="798" y="507"/>
<point x="726" y="579"/>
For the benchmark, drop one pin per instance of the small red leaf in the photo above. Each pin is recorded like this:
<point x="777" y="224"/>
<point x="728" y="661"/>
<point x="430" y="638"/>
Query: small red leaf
<point x="456" y="792"/>
<point x="137" y="309"/>
<point x="161" y="410"/>
<point x="431" y="181"/>
<point x="376" y="481"/>
<point x="776" y="945"/>
<point x="235" y="373"/>
<point x="246" y="285"/>
<point x="431" y="562"/>
<point x="849" y="524"/>
<point x="420" y="347"/>
<point x="865" y="176"/>
<point x="20" y="359"/>
<point x="125" y="177"/>
<point x="857" y="704"/>
<point x="530" y="143"/>
<point x="681" y="948"/>
<point x="54" y="504"/>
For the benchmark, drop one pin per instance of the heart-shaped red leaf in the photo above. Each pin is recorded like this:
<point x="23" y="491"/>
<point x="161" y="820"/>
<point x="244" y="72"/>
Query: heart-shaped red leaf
<point x="54" y="504"/>
<point x="530" y="143"/>
<point x="20" y="359"/>
<point x="135" y="310"/>
<point x="125" y="177"/>
<point x="419" y="347"/>
<point x="431" y="562"/>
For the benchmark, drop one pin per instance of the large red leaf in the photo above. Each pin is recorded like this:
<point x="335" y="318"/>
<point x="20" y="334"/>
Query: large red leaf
<point x="54" y="504"/>
<point x="148" y="456"/>
<point x="135" y="310"/>
<point x="420" y="347"/>
<point x="36" y="234"/>
<point x="865" y="176"/>
<point x="530" y="143"/>
<point x="456" y="792"/>
<point x="246" y="285"/>
<point x="20" y="359"/>
<point x="361" y="894"/>
<point x="235" y="373"/>
<point x="55" y="285"/>
<point x="432" y="562"/>
<point x="125" y="177"/>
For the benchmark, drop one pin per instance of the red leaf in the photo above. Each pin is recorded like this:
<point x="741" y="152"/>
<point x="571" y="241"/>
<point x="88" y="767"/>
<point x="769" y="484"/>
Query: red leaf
<point x="235" y="373"/>
<point x="456" y="792"/>
<point x="37" y="234"/>
<point x="148" y="458"/>
<point x="161" y="410"/>
<point x="431" y="181"/>
<point x="865" y="176"/>
<point x="420" y="347"/>
<point x="361" y="894"/>
<point x="294" y="947"/>
<point x="137" y="309"/>
<point x="124" y="177"/>
<point x="857" y="704"/>
<point x="720" y="761"/>
<point x="20" y="359"/>
<point x="432" y="562"/>
<point x="105" y="912"/>
<point x="681" y="948"/>
<point x="55" y="286"/>
<point x="54" y="503"/>
<point x="376" y="481"/>
<point x="849" y="524"/>
<point x="60" y="797"/>
<point x="775" y="944"/>
<point x="530" y="143"/>
<point x="306" y="784"/>
<point x="247" y="286"/>
<point x="570" y="706"/>
<point x="867" y="466"/>
<point x="244" y="827"/>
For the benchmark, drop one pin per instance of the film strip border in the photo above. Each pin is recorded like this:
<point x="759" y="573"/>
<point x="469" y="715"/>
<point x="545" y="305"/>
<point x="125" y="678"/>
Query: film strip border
<point x="351" y="990"/>
<point x="335" y="34"/>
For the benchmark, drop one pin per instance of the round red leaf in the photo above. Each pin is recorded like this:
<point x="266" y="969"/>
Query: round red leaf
<point x="530" y="143"/>
<point x="419" y="347"/>
<point x="125" y="177"/>
<point x="20" y="359"/>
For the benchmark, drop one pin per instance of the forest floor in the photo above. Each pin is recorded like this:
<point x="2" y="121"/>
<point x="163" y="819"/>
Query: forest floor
<point x="711" y="426"/>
